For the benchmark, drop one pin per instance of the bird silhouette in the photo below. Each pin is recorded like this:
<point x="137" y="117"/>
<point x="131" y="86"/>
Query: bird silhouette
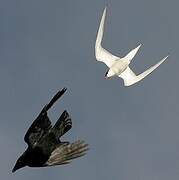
<point x="44" y="145"/>
<point x="119" y="66"/>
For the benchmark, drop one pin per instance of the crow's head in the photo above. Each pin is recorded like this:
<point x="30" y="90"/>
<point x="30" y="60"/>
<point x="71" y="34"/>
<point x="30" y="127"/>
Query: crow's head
<point x="20" y="163"/>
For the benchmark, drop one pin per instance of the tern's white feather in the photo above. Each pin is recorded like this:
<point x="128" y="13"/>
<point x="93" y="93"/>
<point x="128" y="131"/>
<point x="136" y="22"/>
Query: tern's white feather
<point x="130" y="78"/>
<point x="119" y="66"/>
<point x="102" y="54"/>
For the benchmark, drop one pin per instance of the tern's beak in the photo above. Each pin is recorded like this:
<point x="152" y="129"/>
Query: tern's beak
<point x="105" y="76"/>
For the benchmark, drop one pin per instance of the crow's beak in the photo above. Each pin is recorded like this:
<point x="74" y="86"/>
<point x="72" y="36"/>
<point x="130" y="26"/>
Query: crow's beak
<point x="14" y="169"/>
<point x="17" y="166"/>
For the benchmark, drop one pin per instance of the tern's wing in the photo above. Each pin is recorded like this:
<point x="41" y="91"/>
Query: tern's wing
<point x="132" y="53"/>
<point x="130" y="78"/>
<point x="102" y="54"/>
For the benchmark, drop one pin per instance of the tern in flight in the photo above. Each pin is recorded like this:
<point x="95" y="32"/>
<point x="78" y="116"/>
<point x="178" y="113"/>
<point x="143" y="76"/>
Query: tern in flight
<point x="119" y="66"/>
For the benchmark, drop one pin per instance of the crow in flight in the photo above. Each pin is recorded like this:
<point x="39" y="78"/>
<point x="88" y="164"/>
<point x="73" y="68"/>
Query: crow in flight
<point x="44" y="145"/>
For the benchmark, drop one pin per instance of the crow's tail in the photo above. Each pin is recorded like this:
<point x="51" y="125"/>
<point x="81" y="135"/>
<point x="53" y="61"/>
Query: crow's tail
<point x="66" y="152"/>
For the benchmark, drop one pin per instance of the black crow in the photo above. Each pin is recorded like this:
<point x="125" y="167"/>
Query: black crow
<point x="44" y="145"/>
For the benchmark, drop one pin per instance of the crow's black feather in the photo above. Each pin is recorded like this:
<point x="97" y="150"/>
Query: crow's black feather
<point x="42" y="123"/>
<point x="44" y="145"/>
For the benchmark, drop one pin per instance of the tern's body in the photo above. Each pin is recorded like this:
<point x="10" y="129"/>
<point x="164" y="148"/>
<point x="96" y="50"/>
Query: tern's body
<point x="119" y="66"/>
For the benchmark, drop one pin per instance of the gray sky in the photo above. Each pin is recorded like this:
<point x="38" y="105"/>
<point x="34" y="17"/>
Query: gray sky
<point x="46" y="45"/>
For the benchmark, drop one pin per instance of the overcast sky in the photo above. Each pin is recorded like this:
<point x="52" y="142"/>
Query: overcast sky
<point x="47" y="45"/>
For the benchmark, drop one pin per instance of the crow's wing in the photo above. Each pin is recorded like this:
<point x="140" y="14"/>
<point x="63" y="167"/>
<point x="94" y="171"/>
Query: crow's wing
<point x="62" y="125"/>
<point x="42" y="123"/>
<point x="39" y="127"/>
<point x="66" y="152"/>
